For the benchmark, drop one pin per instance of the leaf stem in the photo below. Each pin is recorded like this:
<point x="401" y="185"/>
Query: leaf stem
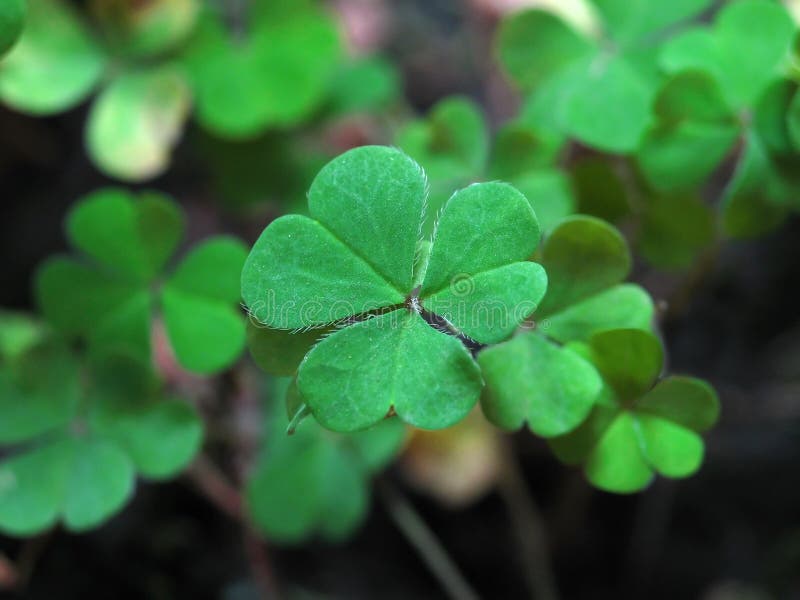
<point x="419" y="535"/>
<point x="528" y="525"/>
<point x="215" y="487"/>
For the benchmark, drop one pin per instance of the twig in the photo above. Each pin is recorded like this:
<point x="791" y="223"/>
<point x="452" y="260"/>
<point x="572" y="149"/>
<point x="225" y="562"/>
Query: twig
<point x="529" y="527"/>
<point x="423" y="539"/>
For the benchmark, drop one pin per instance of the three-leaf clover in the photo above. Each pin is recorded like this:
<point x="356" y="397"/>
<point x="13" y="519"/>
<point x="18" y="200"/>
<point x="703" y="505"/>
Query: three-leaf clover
<point x="640" y="424"/>
<point x="313" y="482"/>
<point x="452" y="145"/>
<point x="110" y="294"/>
<point x="57" y="63"/>
<point x="359" y="261"/>
<point x="533" y="377"/>
<point x="274" y="76"/>
<point x="729" y="84"/>
<point x="75" y="440"/>
<point x="155" y="60"/>
<point x="576" y="77"/>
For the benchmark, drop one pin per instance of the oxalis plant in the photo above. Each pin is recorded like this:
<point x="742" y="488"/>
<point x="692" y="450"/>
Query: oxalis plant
<point x="388" y="324"/>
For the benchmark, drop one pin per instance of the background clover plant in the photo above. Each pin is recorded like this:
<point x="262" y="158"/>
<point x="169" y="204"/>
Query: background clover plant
<point x="112" y="292"/>
<point x="75" y="437"/>
<point x="535" y="377"/>
<point x="313" y="482"/>
<point x="576" y="75"/>
<point x="641" y="424"/>
<point x="453" y="147"/>
<point x="357" y="254"/>
<point x="560" y="226"/>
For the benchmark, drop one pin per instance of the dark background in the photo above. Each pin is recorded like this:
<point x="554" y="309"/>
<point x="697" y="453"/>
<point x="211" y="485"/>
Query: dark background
<point x="730" y="532"/>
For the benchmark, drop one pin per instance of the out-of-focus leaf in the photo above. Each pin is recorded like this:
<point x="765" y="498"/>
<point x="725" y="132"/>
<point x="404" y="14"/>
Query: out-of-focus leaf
<point x="550" y="193"/>
<point x="19" y="332"/>
<point x="85" y="434"/>
<point x="582" y="256"/>
<point x="451" y="145"/>
<point x="600" y="190"/>
<point x="518" y="149"/>
<point x="312" y="482"/>
<point x="147" y="27"/>
<point x="276" y="77"/>
<point x="613" y="89"/>
<point x="366" y="85"/>
<point x="279" y="351"/>
<point x="12" y="18"/>
<point x="535" y="44"/>
<point x="55" y="63"/>
<point x="136" y="121"/>
<point x="675" y="229"/>
<point x="109" y="295"/>
<point x="647" y="426"/>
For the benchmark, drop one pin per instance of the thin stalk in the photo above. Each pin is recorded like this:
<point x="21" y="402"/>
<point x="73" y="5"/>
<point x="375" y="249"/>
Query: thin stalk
<point x="430" y="549"/>
<point x="528" y="526"/>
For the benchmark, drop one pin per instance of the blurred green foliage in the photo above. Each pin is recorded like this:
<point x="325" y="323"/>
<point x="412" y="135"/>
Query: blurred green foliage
<point x="666" y="128"/>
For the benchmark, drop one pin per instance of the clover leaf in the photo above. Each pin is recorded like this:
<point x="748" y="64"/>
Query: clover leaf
<point x="135" y="122"/>
<point x="110" y="295"/>
<point x="58" y="62"/>
<point x="641" y="424"/>
<point x="12" y="18"/>
<point x="145" y="29"/>
<point x="75" y="438"/>
<point x="265" y="79"/>
<point x="55" y="63"/>
<point x="452" y="145"/>
<point x="534" y="377"/>
<point x="612" y="74"/>
<point x="313" y="482"/>
<point x="728" y="84"/>
<point x="364" y="85"/>
<point x="354" y="259"/>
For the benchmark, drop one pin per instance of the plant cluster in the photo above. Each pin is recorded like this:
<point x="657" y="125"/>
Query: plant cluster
<point x="447" y="267"/>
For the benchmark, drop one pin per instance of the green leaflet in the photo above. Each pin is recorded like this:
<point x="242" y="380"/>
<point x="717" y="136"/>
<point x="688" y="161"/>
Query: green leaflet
<point x="573" y="79"/>
<point x="313" y="482"/>
<point x="110" y="295"/>
<point x="278" y="351"/>
<point x="675" y="229"/>
<point x="744" y="51"/>
<point x="452" y="146"/>
<point x="695" y="132"/>
<point x="361" y="254"/>
<point x="533" y="378"/>
<point x="600" y="190"/>
<point x="145" y="30"/>
<point x="629" y="21"/>
<point x="365" y="85"/>
<point x="55" y="63"/>
<point x="18" y="334"/>
<point x="529" y="379"/>
<point x="582" y="257"/>
<point x="557" y="45"/>
<point x="82" y="438"/>
<point x="12" y="19"/>
<point x="650" y="426"/>
<point x="391" y="362"/>
<point x="268" y="80"/>
<point x="135" y="122"/>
